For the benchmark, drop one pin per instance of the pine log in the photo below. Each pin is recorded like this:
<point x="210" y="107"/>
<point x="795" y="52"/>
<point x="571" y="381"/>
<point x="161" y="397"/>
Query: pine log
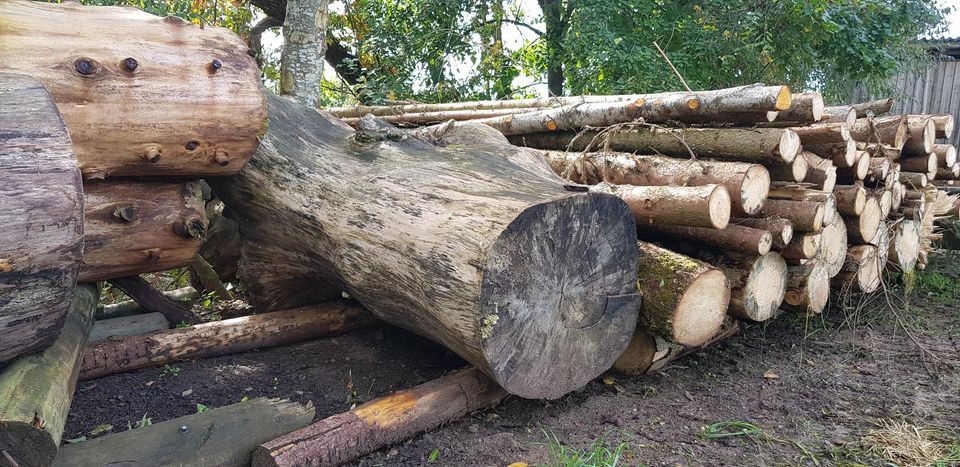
<point x="439" y="116"/>
<point x="568" y="117"/>
<point x="758" y="286"/>
<point x="882" y="242"/>
<point x="753" y="145"/>
<point x="861" y="269"/>
<point x="925" y="164"/>
<point x="466" y="242"/>
<point x="794" y="171"/>
<point x="229" y="336"/>
<point x="36" y="390"/>
<point x="944" y="125"/>
<point x="805" y="216"/>
<point x="805" y="107"/>
<point x="879" y="150"/>
<point x="382" y="422"/>
<point x="946" y="155"/>
<point x="802" y="246"/>
<point x="808" y="288"/>
<point x="841" y="154"/>
<point x="862" y="228"/>
<point x="152" y="301"/>
<point x="893" y="178"/>
<point x="134" y="227"/>
<point x="781" y="231"/>
<point x="904" y="247"/>
<point x="850" y="199"/>
<point x="833" y="247"/>
<point x="858" y="171"/>
<point x="820" y="172"/>
<point x="640" y="354"/>
<point x="509" y="106"/>
<point x="878" y="170"/>
<point x="221" y="436"/>
<point x="131" y="307"/>
<point x="823" y="133"/>
<point x="41" y="207"/>
<point x="684" y="300"/>
<point x="951" y="173"/>
<point x="913" y="180"/>
<point x="141" y="95"/>
<point x="891" y="131"/>
<point x="844" y="114"/>
<point x="732" y="238"/>
<point x="873" y="108"/>
<point x="897" y="194"/>
<point x="747" y="184"/>
<point x="128" y="326"/>
<point x="695" y="206"/>
<point x="884" y="199"/>
<point x="801" y="193"/>
<point x="921" y="133"/>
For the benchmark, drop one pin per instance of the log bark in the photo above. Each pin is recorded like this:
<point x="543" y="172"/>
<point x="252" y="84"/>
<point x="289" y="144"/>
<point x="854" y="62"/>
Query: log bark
<point x="755" y="145"/>
<point x="781" y="230"/>
<point x="36" y="390"/>
<point x="952" y="173"/>
<point x="41" y="208"/>
<point x="428" y="118"/>
<point x="600" y="114"/>
<point x="304" y="44"/>
<point x="833" y="247"/>
<point x="801" y="193"/>
<point x="131" y="307"/>
<point x="141" y="95"/>
<point x="845" y="114"/>
<point x="134" y="227"/>
<point x="465" y="241"/>
<point x="685" y="300"/>
<point x="820" y="172"/>
<point x="841" y="154"/>
<point x="805" y="216"/>
<point x="794" y="171"/>
<point x="222" y="245"/>
<point x="802" y="246"/>
<point x="382" y="422"/>
<point x="921" y="133"/>
<point x="944" y="125"/>
<point x="946" y="155"/>
<point x="855" y="172"/>
<point x="747" y="184"/>
<point x="823" y="133"/>
<point x="222" y="436"/>
<point x="850" y="199"/>
<point x="862" y="228"/>
<point x="808" y="289"/>
<point x="699" y="206"/>
<point x="913" y="180"/>
<point x="128" y="326"/>
<point x="152" y="301"/>
<point x="926" y="164"/>
<point x="208" y="278"/>
<point x="873" y="108"/>
<point x="734" y="237"/>
<point x="884" y="199"/>
<point x="861" y="269"/>
<point x="891" y="131"/>
<point x="124" y="354"/>
<point x="904" y="248"/>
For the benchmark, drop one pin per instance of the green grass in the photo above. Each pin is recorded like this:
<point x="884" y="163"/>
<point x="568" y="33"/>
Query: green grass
<point x="942" y="289"/>
<point x="601" y="453"/>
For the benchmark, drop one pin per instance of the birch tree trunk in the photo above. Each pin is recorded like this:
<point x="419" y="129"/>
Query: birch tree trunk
<point x="304" y="44"/>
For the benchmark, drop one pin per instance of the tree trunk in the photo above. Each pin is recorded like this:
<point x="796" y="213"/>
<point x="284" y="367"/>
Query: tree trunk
<point x="805" y="107"/>
<point x="685" y="300"/>
<point x="465" y="242"/>
<point x="554" y="31"/>
<point x="130" y="307"/>
<point x="41" y="208"/>
<point x="128" y="326"/>
<point x="304" y="44"/>
<point x="925" y="164"/>
<point x="862" y="228"/>
<point x="152" y="301"/>
<point x="36" y="390"/>
<point x="857" y="171"/>
<point x="842" y="114"/>
<point x="740" y="238"/>
<point x="921" y="133"/>
<point x="808" y="289"/>
<point x="382" y="422"/>
<point x="600" y="114"/>
<point x="141" y="95"/>
<point x="208" y="278"/>
<point x="820" y="172"/>
<point x="891" y="131"/>
<point x="124" y="354"/>
<point x="944" y="125"/>
<point x="822" y="133"/>
<point x="222" y="436"/>
<point x="805" y="216"/>
<point x="781" y="230"/>
<point x="697" y="206"/>
<point x="747" y="184"/>
<point x="755" y="145"/>
<point x="904" y="245"/>
<point x="914" y="180"/>
<point x="833" y="247"/>
<point x="134" y="227"/>
<point x="850" y="199"/>
<point x="803" y="246"/>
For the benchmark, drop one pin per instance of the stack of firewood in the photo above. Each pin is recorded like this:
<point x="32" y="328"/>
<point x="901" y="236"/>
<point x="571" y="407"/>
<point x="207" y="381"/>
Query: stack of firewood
<point x="748" y="200"/>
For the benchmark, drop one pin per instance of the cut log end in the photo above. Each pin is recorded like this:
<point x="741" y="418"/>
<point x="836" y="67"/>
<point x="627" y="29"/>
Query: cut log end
<point x="765" y="288"/>
<point x="754" y="189"/>
<point x="700" y="312"/>
<point x="639" y="354"/>
<point x="789" y="145"/>
<point x="785" y="98"/>
<point x="720" y="207"/>
<point x="26" y="444"/>
<point x="581" y="301"/>
<point x="904" y="248"/>
<point x="833" y="247"/>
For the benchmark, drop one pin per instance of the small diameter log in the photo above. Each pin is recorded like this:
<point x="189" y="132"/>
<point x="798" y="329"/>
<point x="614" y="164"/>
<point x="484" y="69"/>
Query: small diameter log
<point x="802" y="246"/>
<point x="914" y="180"/>
<point x="699" y="206"/>
<point x="801" y="193"/>
<point x="921" y="133"/>
<point x="41" y="217"/>
<point x="600" y="114"/>
<point x="36" y="390"/>
<point x="684" y="300"/>
<point x="946" y="155"/>
<point x="820" y="172"/>
<point x="152" y="301"/>
<point x="428" y="118"/>
<point x="873" y="108"/>
<point x="879" y="168"/>
<point x="944" y="125"/>
<point x="219" y="436"/>
<point x="758" y="286"/>
<point x="805" y="216"/>
<point x="141" y="95"/>
<point x="897" y="193"/>
<point x="904" y="248"/>
<point x="133" y="227"/>
<point x="833" y="247"/>
<point x="732" y="238"/>
<point x="893" y="178"/>
<point x="746" y="183"/>
<point x="794" y="171"/>
<point x="891" y="131"/>
<point x="123" y="354"/>
<point x="841" y="114"/>
<point x="951" y="173"/>
<point x="884" y="200"/>
<point x="823" y="133"/>
<point x="208" y="278"/>
<point x="781" y="231"/>
<point x="858" y="171"/>
<point x="842" y="154"/>
<point x="666" y="353"/>
<point x="130" y="307"/>
<point x="808" y="289"/>
<point x="382" y="422"/>
<point x="862" y="228"/>
<point x="128" y="326"/>
<point x="805" y="107"/>
<point x="754" y="145"/>
<point x="850" y="199"/>
<point x="925" y="164"/>
<point x="861" y="269"/>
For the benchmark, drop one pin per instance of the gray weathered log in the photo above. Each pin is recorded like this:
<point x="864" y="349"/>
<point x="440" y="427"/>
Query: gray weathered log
<point x="128" y="326"/>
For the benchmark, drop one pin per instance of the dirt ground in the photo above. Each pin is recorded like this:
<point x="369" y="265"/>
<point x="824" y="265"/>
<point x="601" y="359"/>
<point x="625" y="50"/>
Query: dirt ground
<point x="807" y="391"/>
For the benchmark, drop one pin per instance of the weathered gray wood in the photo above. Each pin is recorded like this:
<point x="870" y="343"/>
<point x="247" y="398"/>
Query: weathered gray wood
<point x="471" y="241"/>
<point x="224" y="436"/>
<point x="128" y="326"/>
<point x="130" y="307"/>
<point x="41" y="217"/>
<point x="36" y="390"/>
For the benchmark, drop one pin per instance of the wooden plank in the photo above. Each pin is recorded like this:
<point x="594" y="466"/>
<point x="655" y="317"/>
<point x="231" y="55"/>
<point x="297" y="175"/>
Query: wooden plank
<point x="128" y="326"/>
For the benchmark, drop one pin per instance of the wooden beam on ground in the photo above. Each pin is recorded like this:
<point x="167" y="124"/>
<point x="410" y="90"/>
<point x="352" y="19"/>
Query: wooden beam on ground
<point x="152" y="301"/>
<point x="128" y="326"/>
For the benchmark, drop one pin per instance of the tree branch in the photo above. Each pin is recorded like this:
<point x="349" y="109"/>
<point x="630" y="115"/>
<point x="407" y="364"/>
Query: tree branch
<point x="518" y="23"/>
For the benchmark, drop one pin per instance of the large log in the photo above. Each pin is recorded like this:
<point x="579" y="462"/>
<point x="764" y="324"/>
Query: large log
<point x="36" y="390"/>
<point x="946" y="154"/>
<point x="696" y="206"/>
<point x="921" y="134"/>
<point x="820" y="172"/>
<point x="466" y="241"/>
<point x="805" y="107"/>
<point x="862" y="228"/>
<point x="142" y="95"/>
<point x="925" y="164"/>
<point x="134" y="227"/>
<point x="684" y="300"/>
<point x="747" y="184"/>
<point x="41" y="217"/>
<point x="222" y="436"/>
<point x="382" y="422"/>
<point x="123" y="354"/>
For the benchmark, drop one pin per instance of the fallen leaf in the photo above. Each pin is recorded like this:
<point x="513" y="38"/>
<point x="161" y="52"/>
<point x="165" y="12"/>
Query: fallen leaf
<point x="186" y="393"/>
<point x="518" y="464"/>
<point x="771" y="375"/>
<point x="100" y="429"/>
<point x="609" y="380"/>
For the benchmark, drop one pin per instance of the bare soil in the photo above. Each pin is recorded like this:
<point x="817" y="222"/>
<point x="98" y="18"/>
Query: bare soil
<point x="813" y="386"/>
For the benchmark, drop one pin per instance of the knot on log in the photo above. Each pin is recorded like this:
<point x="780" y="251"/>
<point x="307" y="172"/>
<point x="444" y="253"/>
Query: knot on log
<point x="214" y="65"/>
<point x="127" y="213"/>
<point x="221" y="157"/>
<point x="152" y="153"/>
<point x="86" y="66"/>
<point x="129" y="64"/>
<point x="191" y="227"/>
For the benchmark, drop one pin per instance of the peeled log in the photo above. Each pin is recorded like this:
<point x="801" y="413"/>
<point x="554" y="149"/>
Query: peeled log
<point x="141" y="95"/>
<point x="747" y="184"/>
<point x="781" y="231"/>
<point x="808" y="288"/>
<point x="891" y="131"/>
<point x="833" y="247"/>
<point x="36" y="390"/>
<point x="698" y="206"/>
<point x="733" y="238"/>
<point x="129" y="353"/>
<point x="684" y="300"/>
<point x="805" y="216"/>
<point x="382" y="422"/>
<point x="862" y="228"/>
<point x="41" y="208"/>
<point x="466" y="242"/>
<point x="904" y="248"/>
<point x="133" y="227"/>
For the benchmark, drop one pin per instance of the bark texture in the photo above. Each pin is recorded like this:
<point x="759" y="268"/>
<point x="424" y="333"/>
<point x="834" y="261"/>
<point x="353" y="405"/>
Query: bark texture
<point x="700" y="206"/>
<point x="304" y="44"/>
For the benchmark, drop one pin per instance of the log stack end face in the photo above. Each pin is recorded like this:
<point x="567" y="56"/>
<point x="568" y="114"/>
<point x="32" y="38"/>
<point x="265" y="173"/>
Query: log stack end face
<point x="558" y="295"/>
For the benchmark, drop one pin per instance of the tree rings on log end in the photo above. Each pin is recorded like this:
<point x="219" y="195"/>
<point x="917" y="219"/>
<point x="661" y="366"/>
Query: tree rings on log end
<point x="754" y="189"/>
<point x="558" y="295"/>
<point x="701" y="310"/>
<point x="784" y="98"/>
<point x="789" y="145"/>
<point x="833" y="247"/>
<point x="719" y="207"/>
<point x="765" y="288"/>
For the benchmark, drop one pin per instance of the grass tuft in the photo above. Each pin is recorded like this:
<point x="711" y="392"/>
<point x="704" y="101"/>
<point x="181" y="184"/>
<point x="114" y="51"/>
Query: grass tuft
<point x="599" y="454"/>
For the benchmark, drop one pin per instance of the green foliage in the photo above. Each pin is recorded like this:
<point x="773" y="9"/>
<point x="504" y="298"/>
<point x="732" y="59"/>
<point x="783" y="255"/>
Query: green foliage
<point x="143" y="422"/>
<point x="599" y="454"/>
<point x="942" y="288"/>
<point x="434" y="456"/>
<point x="169" y="371"/>
<point x="202" y="408"/>
<point x="232" y="14"/>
